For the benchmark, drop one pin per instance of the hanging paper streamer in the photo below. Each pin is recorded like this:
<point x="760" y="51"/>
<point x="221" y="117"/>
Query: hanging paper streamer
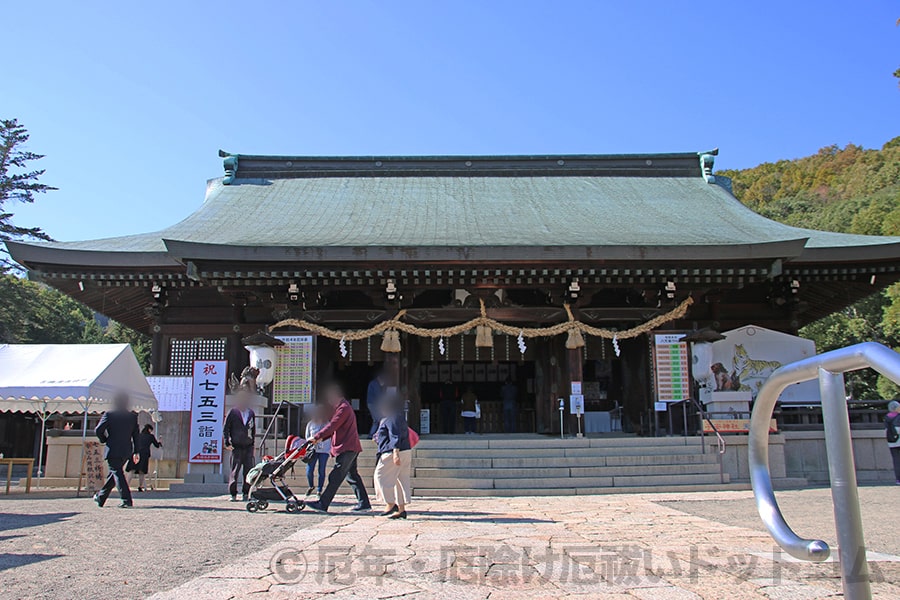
<point x="521" y="341"/>
<point x="441" y="347"/>
<point x="343" y="347"/>
<point x="615" y="343"/>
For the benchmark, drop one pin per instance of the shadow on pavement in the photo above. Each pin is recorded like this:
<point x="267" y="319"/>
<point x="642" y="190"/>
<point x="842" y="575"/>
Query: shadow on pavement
<point x="473" y="517"/>
<point x="11" y="561"/>
<point x="12" y="521"/>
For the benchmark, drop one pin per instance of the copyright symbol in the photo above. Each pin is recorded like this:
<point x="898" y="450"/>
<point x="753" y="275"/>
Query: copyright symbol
<point x="288" y="566"/>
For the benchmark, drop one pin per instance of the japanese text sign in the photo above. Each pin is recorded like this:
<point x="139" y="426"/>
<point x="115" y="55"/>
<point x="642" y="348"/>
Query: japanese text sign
<point x="207" y="410"/>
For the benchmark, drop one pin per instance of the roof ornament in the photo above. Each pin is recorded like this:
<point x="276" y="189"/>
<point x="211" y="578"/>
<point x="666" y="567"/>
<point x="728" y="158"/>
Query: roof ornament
<point x="707" y="160"/>
<point x="230" y="163"/>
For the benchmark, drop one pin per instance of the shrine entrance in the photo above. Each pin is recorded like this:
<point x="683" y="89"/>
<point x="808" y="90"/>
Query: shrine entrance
<point x="442" y="386"/>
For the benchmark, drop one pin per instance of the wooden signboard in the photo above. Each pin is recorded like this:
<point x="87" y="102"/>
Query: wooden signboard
<point x="93" y="467"/>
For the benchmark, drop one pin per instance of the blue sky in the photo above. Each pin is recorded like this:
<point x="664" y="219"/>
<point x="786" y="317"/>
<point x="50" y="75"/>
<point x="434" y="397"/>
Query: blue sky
<point x="130" y="101"/>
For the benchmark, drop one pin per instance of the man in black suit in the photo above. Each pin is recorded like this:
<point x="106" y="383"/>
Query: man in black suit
<point x="239" y="433"/>
<point x="118" y="429"/>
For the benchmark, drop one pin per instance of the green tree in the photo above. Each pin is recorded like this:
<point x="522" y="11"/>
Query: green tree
<point x="31" y="313"/>
<point x="851" y="190"/>
<point x="17" y="184"/>
<point x="861" y="322"/>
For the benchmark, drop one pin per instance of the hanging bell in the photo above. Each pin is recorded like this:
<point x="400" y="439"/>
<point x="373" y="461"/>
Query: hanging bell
<point x="575" y="339"/>
<point x="391" y="341"/>
<point x="484" y="337"/>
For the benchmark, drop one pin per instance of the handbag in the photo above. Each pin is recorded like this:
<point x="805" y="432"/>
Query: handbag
<point x="308" y="452"/>
<point x="478" y="410"/>
<point x="413" y="438"/>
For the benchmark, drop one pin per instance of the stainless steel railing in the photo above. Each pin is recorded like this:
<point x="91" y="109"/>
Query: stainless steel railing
<point x="829" y="369"/>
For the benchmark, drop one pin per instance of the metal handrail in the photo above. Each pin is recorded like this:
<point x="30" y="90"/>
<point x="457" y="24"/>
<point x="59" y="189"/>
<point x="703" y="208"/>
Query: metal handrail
<point x="720" y="441"/>
<point x="829" y="368"/>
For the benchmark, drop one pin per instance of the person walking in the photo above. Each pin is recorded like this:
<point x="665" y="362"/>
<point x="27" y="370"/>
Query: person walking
<point x="509" y="396"/>
<point x="317" y="421"/>
<point x="449" y="399"/>
<point x="146" y="441"/>
<point x="470" y="411"/>
<point x="892" y="431"/>
<point x="345" y="448"/>
<point x="393" y="466"/>
<point x="239" y="435"/>
<point x="118" y="430"/>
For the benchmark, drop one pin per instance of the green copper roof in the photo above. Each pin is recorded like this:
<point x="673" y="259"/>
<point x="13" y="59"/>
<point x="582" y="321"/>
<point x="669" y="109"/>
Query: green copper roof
<point x="596" y="204"/>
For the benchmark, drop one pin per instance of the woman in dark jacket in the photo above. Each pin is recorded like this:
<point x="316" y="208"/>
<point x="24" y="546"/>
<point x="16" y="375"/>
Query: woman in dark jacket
<point x="145" y="442"/>
<point x="393" y="468"/>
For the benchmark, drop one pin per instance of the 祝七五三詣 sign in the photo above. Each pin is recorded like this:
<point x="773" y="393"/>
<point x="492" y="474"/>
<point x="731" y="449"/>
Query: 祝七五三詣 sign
<point x="671" y="361"/>
<point x="207" y="411"/>
<point x="294" y="375"/>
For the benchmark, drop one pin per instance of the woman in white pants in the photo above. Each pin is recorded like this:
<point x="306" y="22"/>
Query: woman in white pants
<point x="393" y="469"/>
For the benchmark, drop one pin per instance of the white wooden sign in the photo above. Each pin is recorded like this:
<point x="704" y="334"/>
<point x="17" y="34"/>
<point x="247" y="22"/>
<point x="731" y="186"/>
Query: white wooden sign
<point x="207" y="411"/>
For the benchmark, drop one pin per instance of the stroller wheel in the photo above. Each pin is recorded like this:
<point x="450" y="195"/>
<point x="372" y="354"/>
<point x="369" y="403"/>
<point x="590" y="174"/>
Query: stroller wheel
<point x="292" y="507"/>
<point x="263" y="504"/>
<point x="252" y="507"/>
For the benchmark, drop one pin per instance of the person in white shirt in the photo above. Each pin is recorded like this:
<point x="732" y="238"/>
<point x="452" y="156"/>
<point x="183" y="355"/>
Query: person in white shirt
<point x="318" y="419"/>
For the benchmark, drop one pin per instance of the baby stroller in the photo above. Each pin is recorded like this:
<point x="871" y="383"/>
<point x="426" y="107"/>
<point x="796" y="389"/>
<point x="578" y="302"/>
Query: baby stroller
<point x="266" y="479"/>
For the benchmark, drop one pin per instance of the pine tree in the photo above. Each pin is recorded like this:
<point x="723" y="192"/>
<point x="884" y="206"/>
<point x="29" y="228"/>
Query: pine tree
<point x="17" y="184"/>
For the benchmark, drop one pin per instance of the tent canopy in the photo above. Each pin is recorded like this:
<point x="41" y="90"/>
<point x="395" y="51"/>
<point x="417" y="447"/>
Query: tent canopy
<point x="70" y="378"/>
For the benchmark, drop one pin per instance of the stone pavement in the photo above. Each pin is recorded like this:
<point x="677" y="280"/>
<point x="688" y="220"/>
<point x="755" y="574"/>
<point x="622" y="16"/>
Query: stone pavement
<point x="651" y="546"/>
<point x="624" y="546"/>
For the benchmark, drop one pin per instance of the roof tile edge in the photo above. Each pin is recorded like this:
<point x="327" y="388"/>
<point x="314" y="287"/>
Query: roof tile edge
<point x="245" y="166"/>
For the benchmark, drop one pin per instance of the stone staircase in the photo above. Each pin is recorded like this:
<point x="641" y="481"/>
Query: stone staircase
<point x="535" y="465"/>
<point x="504" y="465"/>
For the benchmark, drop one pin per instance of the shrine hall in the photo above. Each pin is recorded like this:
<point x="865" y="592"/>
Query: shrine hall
<point x="576" y="260"/>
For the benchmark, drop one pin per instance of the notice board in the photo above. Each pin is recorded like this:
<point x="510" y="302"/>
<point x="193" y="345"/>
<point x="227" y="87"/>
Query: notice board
<point x="172" y="393"/>
<point x="671" y="367"/>
<point x="296" y="369"/>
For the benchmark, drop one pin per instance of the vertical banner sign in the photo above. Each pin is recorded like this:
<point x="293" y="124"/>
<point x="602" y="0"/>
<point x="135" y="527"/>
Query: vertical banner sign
<point x="207" y="411"/>
<point x="671" y="361"/>
<point x="296" y="365"/>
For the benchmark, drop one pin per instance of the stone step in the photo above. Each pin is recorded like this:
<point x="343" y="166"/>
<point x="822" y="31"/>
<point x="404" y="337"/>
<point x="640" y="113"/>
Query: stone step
<point x="563" y="483"/>
<point x="553" y="463"/>
<point x="547" y="442"/>
<point x="500" y="473"/>
<point x="550" y="492"/>
<point x="533" y="452"/>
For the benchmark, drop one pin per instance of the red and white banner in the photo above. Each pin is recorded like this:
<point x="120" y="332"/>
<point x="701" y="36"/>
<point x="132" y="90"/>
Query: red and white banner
<point x="208" y="388"/>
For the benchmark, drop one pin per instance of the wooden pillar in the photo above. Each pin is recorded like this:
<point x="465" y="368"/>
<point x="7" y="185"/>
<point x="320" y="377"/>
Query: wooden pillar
<point x="157" y="351"/>
<point x="392" y="369"/>
<point x="238" y="357"/>
<point x="410" y="360"/>
<point x="575" y="360"/>
<point x="544" y="413"/>
<point x="636" y="401"/>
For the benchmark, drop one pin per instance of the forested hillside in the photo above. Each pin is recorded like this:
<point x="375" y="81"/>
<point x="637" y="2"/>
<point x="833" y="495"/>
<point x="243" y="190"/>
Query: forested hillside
<point x="847" y="189"/>
<point x="31" y="313"/>
<point x="853" y="190"/>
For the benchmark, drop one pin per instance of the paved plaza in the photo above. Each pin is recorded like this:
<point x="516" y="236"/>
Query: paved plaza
<point x="650" y="546"/>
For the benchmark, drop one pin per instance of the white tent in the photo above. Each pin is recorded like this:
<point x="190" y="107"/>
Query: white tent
<point x="56" y="378"/>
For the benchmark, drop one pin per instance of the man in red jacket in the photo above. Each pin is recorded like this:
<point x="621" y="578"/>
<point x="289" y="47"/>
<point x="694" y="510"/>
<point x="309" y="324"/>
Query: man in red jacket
<point x="345" y="448"/>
